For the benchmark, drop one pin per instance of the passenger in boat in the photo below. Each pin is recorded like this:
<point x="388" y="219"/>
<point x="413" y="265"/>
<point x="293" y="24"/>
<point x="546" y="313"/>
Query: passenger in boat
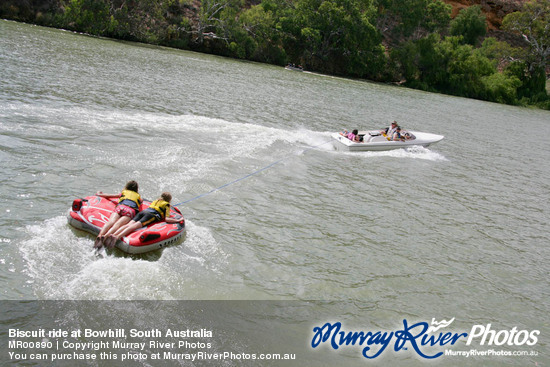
<point x="158" y="211"/>
<point x="128" y="205"/>
<point x="408" y="135"/>
<point x="388" y="132"/>
<point x="354" y="135"/>
<point x="397" y="135"/>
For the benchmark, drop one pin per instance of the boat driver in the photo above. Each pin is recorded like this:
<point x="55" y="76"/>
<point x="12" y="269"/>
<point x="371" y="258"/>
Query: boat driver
<point x="388" y="132"/>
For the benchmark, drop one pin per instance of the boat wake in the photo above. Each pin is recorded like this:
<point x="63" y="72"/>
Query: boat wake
<point x="413" y="152"/>
<point x="62" y="265"/>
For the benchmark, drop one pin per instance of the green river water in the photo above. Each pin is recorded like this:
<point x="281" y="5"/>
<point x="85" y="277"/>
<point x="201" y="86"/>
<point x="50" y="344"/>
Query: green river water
<point x="304" y="234"/>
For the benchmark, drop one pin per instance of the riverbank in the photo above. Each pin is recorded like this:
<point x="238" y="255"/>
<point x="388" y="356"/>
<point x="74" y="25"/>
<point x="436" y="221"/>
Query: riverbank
<point x="390" y="45"/>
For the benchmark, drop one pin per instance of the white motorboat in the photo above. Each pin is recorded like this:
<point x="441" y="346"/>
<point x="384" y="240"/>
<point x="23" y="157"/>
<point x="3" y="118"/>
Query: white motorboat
<point x="375" y="141"/>
<point x="294" y="67"/>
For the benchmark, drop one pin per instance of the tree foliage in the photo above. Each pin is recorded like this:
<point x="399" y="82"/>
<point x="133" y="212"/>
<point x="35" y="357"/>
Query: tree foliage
<point x="339" y="34"/>
<point x="470" y="24"/>
<point x="414" y="42"/>
<point x="413" y="19"/>
<point x="533" y="23"/>
<point x="450" y="66"/>
<point x="90" y="16"/>
<point x="259" y="23"/>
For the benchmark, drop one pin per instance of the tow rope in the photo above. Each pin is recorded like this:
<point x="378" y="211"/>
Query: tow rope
<point x="250" y="174"/>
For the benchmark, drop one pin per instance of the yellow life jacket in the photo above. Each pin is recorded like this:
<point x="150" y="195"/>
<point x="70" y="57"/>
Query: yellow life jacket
<point x="162" y="207"/>
<point x="132" y="198"/>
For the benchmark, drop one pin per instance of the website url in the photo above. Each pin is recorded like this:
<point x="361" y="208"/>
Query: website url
<point x="241" y="356"/>
<point x="491" y="353"/>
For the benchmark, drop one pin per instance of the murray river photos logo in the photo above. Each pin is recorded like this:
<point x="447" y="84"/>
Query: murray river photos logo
<point x="426" y="340"/>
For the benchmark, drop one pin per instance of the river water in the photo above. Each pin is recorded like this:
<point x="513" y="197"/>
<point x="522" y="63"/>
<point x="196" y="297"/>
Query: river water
<point x="274" y="212"/>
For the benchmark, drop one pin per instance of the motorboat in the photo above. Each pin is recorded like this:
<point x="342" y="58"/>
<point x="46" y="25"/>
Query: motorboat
<point x="92" y="212"/>
<point x="294" y="67"/>
<point x="377" y="141"/>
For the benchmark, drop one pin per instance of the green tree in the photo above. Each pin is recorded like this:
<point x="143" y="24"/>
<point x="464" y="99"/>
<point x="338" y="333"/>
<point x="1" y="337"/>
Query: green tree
<point x="533" y="23"/>
<point x="438" y="16"/>
<point x="337" y="36"/>
<point x="470" y="23"/>
<point x="260" y="25"/>
<point x="452" y="67"/>
<point x="500" y="51"/>
<point x="144" y="20"/>
<point x="421" y="63"/>
<point x="532" y="87"/>
<point x="413" y="19"/>
<point x="501" y="88"/>
<point x="215" y="20"/>
<point x="89" y="16"/>
<point x="467" y="67"/>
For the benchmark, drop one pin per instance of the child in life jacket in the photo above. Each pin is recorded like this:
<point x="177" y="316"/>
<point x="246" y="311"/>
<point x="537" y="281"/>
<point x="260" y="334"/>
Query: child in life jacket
<point x="158" y="211"/>
<point x="128" y="205"/>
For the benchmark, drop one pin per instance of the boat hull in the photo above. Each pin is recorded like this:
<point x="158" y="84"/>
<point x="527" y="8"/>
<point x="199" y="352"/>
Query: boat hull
<point x="381" y="143"/>
<point x="294" y="68"/>
<point x="91" y="213"/>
